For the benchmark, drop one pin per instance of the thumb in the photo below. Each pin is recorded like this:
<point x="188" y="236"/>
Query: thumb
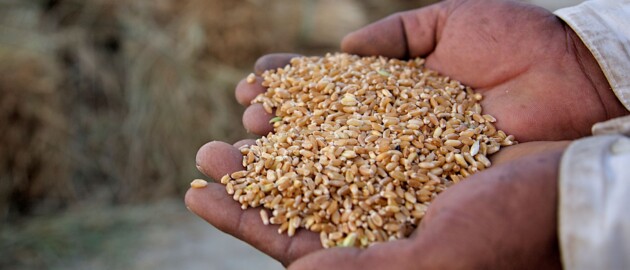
<point x="389" y="255"/>
<point x="406" y="34"/>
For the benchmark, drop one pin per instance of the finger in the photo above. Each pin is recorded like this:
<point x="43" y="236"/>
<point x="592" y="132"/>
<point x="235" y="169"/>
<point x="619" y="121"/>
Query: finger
<point x="246" y="92"/>
<point x="214" y="205"/>
<point x="246" y="142"/>
<point x="391" y="255"/>
<point x="402" y="35"/>
<point x="273" y="61"/>
<point x="216" y="159"/>
<point x="256" y="120"/>
<point x="524" y="149"/>
<point x="465" y="221"/>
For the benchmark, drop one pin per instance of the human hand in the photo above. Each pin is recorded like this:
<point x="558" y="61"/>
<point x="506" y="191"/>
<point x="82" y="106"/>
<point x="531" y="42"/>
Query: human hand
<point x="537" y="77"/>
<point x="501" y="218"/>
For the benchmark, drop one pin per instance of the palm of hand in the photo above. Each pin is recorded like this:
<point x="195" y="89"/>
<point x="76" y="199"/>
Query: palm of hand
<point x="536" y="76"/>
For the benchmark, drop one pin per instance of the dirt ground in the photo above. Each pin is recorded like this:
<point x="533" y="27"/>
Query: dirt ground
<point x="155" y="236"/>
<point x="188" y="242"/>
<point x="183" y="241"/>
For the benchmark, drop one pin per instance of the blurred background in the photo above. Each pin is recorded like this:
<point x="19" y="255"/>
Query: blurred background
<point x="104" y="103"/>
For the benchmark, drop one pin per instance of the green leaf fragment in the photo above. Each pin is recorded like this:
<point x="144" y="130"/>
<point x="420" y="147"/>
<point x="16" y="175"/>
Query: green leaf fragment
<point x="364" y="241"/>
<point x="250" y="187"/>
<point x="349" y="241"/>
<point x="275" y="119"/>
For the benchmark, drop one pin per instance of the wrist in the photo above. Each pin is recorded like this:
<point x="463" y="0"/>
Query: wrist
<point x="593" y="72"/>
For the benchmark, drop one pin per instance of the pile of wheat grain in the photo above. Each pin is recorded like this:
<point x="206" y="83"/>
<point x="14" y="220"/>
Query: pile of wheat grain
<point x="361" y="146"/>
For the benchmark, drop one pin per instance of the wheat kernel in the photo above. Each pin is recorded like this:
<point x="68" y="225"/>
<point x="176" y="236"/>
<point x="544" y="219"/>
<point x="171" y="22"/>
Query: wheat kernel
<point x="362" y="145"/>
<point x="198" y="183"/>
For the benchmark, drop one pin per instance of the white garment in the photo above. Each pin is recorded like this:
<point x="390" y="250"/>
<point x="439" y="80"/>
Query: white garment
<point x="594" y="207"/>
<point x="604" y="27"/>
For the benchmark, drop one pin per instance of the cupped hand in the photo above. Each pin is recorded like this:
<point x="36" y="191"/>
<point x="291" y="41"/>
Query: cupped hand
<point x="537" y="77"/>
<point x="500" y="218"/>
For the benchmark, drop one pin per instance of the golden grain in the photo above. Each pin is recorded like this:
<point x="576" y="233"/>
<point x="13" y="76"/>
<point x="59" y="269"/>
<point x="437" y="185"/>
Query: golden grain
<point x="264" y="216"/>
<point x="198" y="183"/>
<point x="363" y="146"/>
<point x="251" y="78"/>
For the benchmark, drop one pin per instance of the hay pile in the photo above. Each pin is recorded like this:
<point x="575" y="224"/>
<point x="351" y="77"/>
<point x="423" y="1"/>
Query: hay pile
<point x="33" y="129"/>
<point x="110" y="99"/>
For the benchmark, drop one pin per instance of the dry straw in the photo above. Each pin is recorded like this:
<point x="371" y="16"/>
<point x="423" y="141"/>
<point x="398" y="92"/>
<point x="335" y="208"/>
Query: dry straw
<point x="361" y="147"/>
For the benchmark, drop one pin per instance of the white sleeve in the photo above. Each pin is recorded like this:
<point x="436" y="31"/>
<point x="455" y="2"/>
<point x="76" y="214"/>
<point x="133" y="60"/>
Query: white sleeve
<point x="594" y="206"/>
<point x="604" y="27"/>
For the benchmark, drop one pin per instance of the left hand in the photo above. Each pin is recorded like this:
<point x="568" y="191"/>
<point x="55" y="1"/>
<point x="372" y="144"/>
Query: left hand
<point x="502" y="218"/>
<point x="537" y="77"/>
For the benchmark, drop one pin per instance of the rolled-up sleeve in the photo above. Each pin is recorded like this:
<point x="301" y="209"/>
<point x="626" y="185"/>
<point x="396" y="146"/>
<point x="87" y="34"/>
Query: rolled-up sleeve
<point x="594" y="206"/>
<point x="594" y="221"/>
<point x="604" y="27"/>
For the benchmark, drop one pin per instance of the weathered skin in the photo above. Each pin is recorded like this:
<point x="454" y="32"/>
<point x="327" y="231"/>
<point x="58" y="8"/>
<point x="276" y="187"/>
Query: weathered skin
<point x="538" y="80"/>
